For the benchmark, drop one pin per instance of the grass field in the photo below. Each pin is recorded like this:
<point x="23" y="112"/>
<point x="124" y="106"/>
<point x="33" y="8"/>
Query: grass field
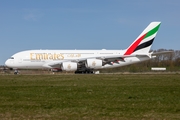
<point x="90" y="97"/>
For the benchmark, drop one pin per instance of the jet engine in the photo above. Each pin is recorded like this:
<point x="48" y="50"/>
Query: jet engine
<point x="69" y="66"/>
<point x="93" y="63"/>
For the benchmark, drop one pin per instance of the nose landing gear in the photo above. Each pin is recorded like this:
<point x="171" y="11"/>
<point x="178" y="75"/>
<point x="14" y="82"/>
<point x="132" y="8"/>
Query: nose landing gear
<point x="16" y="72"/>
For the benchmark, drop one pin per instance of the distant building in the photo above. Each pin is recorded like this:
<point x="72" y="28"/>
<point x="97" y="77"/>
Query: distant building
<point x="158" y="69"/>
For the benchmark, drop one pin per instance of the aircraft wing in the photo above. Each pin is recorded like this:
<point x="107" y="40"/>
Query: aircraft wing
<point x="105" y="59"/>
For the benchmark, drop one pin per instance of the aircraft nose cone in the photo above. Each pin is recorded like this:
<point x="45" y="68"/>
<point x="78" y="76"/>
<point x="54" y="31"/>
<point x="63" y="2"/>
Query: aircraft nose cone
<point x="7" y="63"/>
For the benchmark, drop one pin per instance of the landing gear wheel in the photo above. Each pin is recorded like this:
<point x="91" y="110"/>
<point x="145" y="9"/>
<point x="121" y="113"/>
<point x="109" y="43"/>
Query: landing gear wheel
<point x="84" y="72"/>
<point x="16" y="72"/>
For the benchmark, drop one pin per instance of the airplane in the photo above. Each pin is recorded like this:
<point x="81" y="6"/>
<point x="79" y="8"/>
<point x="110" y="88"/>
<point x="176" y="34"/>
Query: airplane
<point x="87" y="61"/>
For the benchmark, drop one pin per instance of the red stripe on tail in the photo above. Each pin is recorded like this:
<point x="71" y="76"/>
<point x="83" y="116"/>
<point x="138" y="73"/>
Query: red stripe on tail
<point x="133" y="46"/>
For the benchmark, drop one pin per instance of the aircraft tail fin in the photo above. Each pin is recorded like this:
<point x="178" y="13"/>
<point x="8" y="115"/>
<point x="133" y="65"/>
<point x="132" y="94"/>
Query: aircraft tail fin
<point x="144" y="41"/>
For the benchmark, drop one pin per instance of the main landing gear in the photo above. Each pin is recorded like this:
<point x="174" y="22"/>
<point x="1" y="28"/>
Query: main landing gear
<point x="84" y="72"/>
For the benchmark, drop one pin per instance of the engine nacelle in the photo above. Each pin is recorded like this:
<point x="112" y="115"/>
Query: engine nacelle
<point x="69" y="66"/>
<point x="93" y="63"/>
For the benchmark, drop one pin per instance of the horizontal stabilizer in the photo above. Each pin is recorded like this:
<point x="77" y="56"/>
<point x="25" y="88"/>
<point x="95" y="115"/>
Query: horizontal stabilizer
<point x="160" y="53"/>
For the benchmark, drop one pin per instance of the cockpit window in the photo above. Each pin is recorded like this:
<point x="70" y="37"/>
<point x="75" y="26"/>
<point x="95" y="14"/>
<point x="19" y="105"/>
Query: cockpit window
<point x="12" y="58"/>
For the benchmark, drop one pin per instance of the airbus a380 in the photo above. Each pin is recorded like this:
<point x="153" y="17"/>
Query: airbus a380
<point x="87" y="61"/>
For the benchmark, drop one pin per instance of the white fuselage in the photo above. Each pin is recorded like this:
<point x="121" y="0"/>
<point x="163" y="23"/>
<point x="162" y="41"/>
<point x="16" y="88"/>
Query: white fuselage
<point x="38" y="59"/>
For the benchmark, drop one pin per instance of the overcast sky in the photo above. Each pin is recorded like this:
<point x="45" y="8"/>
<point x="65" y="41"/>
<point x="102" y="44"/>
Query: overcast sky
<point x="84" y="24"/>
